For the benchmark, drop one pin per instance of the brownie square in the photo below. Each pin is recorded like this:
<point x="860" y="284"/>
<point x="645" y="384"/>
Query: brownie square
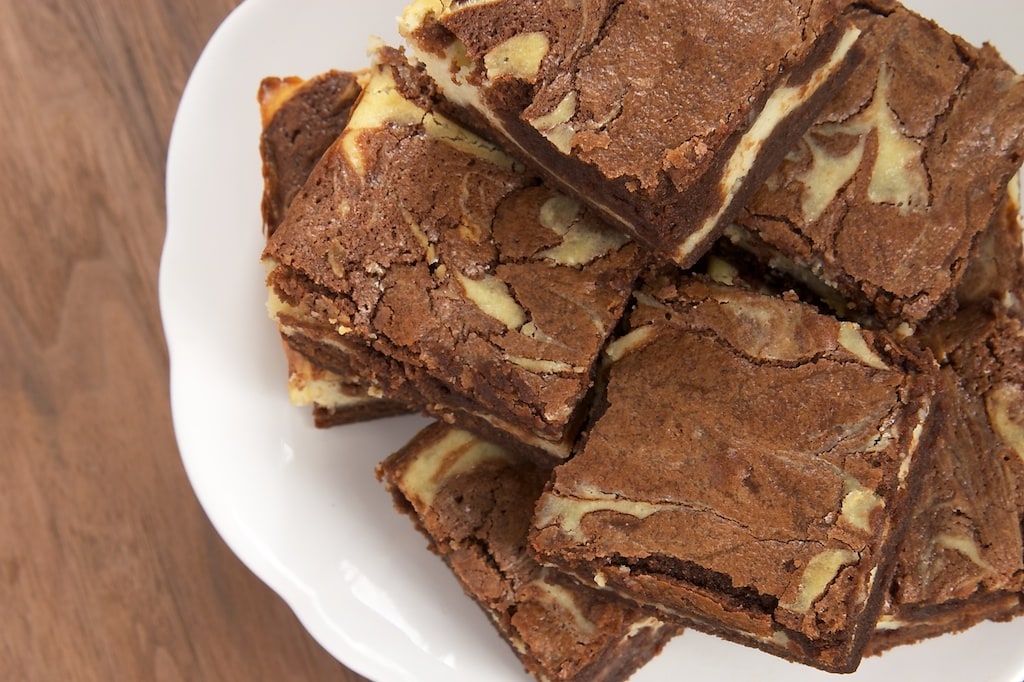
<point x="663" y="116"/>
<point x="301" y="118"/>
<point x="962" y="561"/>
<point x="473" y="500"/>
<point x="749" y="471"/>
<point x="885" y="197"/>
<point x="451" y="272"/>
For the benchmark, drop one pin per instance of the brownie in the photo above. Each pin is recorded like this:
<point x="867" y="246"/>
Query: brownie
<point x="884" y="198"/>
<point x="473" y="501"/>
<point x="664" y="116"/>
<point x="301" y="118"/>
<point x="984" y="342"/>
<point x="962" y="561"/>
<point x="336" y="398"/>
<point x="994" y="277"/>
<point x="451" y="270"/>
<point x="749" y="470"/>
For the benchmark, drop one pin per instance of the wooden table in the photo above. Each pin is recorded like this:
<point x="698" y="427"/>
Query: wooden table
<point x="109" y="569"/>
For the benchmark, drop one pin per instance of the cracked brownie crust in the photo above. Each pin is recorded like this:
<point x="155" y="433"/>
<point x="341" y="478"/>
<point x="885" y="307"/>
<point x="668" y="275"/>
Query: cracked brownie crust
<point x="885" y="197"/>
<point x="665" y="116"/>
<point x="750" y="471"/>
<point x="473" y="501"/>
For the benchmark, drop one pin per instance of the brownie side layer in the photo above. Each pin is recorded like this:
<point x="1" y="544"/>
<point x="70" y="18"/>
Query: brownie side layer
<point x="664" y="116"/>
<point x="302" y="314"/>
<point x="751" y="471"/>
<point x="885" y="197"/>
<point x="434" y="248"/>
<point x="473" y="501"/>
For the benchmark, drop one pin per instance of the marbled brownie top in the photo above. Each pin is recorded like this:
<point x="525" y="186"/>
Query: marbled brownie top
<point x="964" y="539"/>
<point x="986" y="350"/>
<point x="962" y="559"/>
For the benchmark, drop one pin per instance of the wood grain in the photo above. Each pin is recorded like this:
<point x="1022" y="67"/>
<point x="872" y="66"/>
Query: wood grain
<point x="109" y="569"/>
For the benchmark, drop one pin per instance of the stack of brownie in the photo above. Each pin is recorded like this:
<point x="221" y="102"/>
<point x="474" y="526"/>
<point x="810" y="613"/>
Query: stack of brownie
<point x="717" y="306"/>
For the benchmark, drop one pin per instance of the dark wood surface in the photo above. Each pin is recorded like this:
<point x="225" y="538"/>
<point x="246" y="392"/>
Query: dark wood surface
<point x="109" y="569"/>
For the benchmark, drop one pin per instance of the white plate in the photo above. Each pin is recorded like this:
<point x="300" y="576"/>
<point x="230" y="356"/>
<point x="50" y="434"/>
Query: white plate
<point x="300" y="506"/>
